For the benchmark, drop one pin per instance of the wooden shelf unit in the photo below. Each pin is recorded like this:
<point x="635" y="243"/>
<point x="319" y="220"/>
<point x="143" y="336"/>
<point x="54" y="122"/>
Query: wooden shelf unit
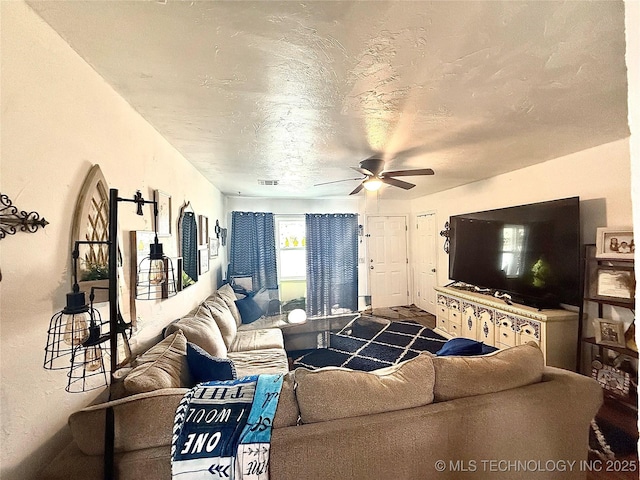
<point x="618" y="411"/>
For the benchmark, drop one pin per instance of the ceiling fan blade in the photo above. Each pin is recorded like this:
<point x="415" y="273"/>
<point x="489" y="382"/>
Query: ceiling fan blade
<point x="336" y="181"/>
<point x="363" y="171"/>
<point x="409" y="173"/>
<point x="357" y="189"/>
<point x="397" y="183"/>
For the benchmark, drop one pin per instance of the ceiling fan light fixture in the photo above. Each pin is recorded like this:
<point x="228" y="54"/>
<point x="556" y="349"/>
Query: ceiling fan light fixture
<point x="372" y="184"/>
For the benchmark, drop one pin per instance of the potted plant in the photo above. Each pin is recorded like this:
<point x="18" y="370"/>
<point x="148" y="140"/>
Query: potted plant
<point x="95" y="274"/>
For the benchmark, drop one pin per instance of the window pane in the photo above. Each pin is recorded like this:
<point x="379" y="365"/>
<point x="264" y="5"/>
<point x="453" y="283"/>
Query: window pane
<point x="293" y="264"/>
<point x="292" y="234"/>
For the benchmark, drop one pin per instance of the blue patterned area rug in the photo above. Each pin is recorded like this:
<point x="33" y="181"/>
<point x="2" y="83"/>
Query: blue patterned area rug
<point x="369" y="345"/>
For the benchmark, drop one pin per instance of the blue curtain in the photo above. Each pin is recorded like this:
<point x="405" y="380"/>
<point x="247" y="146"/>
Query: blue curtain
<point x="253" y="248"/>
<point x="332" y="263"/>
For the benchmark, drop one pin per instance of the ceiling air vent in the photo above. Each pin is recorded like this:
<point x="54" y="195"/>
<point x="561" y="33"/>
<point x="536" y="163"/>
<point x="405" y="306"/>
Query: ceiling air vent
<point x="268" y="182"/>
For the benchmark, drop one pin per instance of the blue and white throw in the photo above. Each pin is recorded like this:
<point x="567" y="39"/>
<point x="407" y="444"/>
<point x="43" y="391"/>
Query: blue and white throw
<point x="222" y="429"/>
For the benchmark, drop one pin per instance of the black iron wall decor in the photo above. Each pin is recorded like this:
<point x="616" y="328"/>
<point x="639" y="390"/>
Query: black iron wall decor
<point x="11" y="219"/>
<point x="221" y="233"/>
<point x="446" y="233"/>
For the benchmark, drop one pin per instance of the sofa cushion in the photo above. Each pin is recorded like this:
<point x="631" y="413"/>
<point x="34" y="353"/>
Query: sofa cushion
<point x="257" y="339"/>
<point x="266" y="360"/>
<point x="513" y="367"/>
<point x="229" y="296"/>
<point x="223" y="318"/>
<point x="249" y="310"/>
<point x="159" y="367"/>
<point x="460" y="346"/>
<point x="200" y="328"/>
<point x="272" y="321"/>
<point x="332" y="392"/>
<point x="205" y="368"/>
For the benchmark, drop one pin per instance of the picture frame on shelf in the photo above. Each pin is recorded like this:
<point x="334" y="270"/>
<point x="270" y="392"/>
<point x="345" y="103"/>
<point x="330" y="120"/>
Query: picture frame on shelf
<point x="615" y="283"/>
<point x="164" y="213"/>
<point x="611" y="378"/>
<point x="609" y="332"/>
<point x="615" y="243"/>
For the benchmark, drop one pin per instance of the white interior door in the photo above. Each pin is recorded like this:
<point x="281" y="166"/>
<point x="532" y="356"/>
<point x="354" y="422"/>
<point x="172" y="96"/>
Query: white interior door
<point x="425" y="262"/>
<point x="387" y="261"/>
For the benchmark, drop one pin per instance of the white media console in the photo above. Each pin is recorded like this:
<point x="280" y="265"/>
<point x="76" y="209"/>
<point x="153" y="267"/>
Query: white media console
<point x="462" y="313"/>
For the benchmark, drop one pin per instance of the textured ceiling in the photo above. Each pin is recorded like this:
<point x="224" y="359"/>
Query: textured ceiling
<point x="300" y="91"/>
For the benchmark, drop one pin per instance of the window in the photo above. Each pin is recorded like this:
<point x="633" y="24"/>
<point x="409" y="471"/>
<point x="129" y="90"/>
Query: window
<point x="291" y="245"/>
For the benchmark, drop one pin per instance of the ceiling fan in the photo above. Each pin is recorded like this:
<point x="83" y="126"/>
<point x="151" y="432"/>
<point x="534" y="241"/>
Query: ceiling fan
<point x="375" y="175"/>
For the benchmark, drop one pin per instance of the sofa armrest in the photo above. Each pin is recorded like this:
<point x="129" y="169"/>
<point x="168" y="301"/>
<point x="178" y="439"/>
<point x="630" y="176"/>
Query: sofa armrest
<point x="583" y="387"/>
<point x="141" y="421"/>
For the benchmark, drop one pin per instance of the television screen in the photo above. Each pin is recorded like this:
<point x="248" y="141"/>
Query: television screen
<point x="531" y="252"/>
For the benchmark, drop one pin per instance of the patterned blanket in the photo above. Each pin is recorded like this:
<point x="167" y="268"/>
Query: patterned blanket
<point x="222" y="430"/>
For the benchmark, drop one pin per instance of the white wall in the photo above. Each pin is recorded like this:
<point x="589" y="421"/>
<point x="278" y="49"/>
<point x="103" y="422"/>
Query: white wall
<point x="291" y="206"/>
<point x="58" y="119"/>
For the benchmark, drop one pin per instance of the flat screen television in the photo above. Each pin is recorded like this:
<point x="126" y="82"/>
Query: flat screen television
<point x="530" y="252"/>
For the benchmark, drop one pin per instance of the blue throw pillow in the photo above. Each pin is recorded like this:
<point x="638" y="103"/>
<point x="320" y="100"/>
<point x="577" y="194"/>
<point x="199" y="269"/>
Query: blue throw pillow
<point x="205" y="368"/>
<point x="460" y="346"/>
<point x="249" y="310"/>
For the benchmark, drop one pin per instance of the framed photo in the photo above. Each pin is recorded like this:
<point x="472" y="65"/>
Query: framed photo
<point x="203" y="260"/>
<point x="203" y="231"/>
<point x="214" y="245"/>
<point x="615" y="243"/>
<point x="609" y="332"/>
<point x="611" y="379"/>
<point x="614" y="282"/>
<point x="164" y="213"/>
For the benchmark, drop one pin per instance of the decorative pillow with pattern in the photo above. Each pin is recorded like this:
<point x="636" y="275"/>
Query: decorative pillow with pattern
<point x="206" y="368"/>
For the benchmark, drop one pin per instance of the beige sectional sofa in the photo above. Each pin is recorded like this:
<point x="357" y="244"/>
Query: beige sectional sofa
<point x="503" y="415"/>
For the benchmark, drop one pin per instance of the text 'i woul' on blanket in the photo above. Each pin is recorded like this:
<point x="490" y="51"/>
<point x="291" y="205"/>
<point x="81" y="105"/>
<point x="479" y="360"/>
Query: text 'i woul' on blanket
<point x="222" y="429"/>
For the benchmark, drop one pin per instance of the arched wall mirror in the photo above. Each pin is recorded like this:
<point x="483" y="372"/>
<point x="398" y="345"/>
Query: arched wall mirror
<point x="91" y="223"/>
<point x="188" y="238"/>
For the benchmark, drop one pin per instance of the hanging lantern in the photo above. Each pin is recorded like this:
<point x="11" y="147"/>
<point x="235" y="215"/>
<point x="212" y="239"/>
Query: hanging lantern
<point x="156" y="275"/>
<point x="68" y="329"/>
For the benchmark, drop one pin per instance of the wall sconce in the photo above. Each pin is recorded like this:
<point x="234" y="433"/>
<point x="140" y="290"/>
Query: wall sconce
<point x="11" y="218"/>
<point x="221" y="233"/>
<point x="446" y="233"/>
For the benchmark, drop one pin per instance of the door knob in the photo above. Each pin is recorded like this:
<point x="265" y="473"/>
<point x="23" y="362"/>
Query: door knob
<point x="433" y="270"/>
<point x="371" y="267"/>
